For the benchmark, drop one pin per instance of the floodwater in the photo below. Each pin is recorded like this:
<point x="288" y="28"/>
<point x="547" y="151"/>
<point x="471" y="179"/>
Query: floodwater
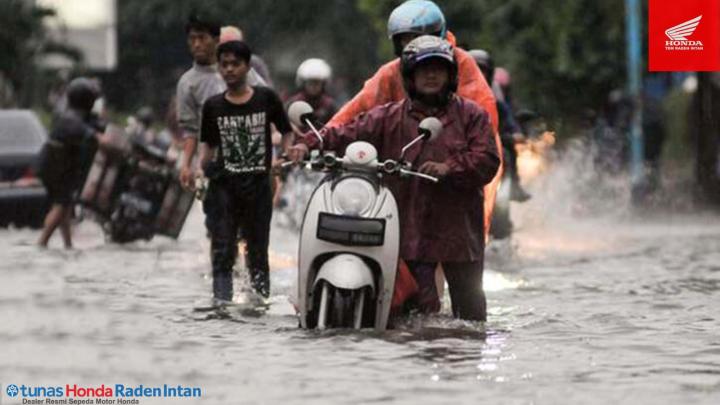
<point x="615" y="309"/>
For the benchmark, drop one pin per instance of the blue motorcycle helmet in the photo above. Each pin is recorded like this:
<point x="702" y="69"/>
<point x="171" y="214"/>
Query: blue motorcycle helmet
<point x="421" y="17"/>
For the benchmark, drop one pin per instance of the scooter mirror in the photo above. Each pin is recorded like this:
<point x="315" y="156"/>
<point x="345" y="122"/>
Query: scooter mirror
<point x="430" y="128"/>
<point x="298" y="112"/>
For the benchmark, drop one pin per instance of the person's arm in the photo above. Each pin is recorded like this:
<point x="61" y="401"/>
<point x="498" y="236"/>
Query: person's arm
<point x="188" y="122"/>
<point x="279" y="121"/>
<point x="79" y="133"/>
<point x="476" y="165"/>
<point x="255" y="80"/>
<point x="207" y="154"/>
<point x="209" y="140"/>
<point x="366" y="127"/>
<point x="373" y="93"/>
<point x="261" y="68"/>
<point x="189" y="148"/>
<point x="288" y="139"/>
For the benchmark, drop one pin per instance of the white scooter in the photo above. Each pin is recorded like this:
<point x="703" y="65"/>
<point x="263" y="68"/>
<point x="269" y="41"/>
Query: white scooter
<point x="350" y="235"/>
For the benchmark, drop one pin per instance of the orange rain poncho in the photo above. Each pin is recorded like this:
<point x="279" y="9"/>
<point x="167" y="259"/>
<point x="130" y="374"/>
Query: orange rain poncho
<point x="387" y="86"/>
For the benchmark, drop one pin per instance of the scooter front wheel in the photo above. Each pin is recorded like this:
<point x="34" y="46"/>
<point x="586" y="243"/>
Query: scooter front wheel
<point x="340" y="308"/>
<point x="323" y="309"/>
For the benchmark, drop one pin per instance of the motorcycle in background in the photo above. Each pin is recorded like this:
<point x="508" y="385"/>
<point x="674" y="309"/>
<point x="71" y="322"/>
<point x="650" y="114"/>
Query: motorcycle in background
<point x="531" y="155"/>
<point x="133" y="190"/>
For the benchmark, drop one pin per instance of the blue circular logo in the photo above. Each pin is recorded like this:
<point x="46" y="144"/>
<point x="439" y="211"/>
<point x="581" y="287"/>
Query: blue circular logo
<point x="12" y="390"/>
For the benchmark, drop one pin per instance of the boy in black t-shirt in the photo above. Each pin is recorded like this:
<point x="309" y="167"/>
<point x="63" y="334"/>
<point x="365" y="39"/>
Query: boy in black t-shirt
<point x="235" y="154"/>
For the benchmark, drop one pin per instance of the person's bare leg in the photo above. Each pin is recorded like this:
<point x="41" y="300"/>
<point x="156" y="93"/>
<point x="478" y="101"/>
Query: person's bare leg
<point x="65" y="227"/>
<point x="52" y="220"/>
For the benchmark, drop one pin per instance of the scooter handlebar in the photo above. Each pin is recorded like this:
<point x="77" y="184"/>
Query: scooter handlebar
<point x="405" y="172"/>
<point x="329" y="161"/>
<point x="403" y="168"/>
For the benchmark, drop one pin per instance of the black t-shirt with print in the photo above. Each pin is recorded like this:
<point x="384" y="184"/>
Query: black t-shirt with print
<point x="242" y="131"/>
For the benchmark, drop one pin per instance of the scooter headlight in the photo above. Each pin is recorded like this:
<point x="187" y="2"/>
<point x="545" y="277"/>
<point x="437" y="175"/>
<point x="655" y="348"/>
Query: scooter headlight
<point x="353" y="196"/>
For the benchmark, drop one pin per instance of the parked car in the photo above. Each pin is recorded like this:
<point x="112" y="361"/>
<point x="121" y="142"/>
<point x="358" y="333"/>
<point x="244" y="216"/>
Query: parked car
<point x="23" y="199"/>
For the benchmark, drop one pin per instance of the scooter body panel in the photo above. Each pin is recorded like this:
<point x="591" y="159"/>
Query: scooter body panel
<point x="381" y="260"/>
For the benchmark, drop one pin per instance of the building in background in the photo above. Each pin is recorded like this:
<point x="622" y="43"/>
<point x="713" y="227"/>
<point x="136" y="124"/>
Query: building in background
<point x="88" y="25"/>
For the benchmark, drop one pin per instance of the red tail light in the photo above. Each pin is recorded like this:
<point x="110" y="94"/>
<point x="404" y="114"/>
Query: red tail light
<point x="29" y="174"/>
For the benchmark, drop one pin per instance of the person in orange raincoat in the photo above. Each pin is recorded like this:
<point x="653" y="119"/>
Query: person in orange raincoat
<point x="409" y="20"/>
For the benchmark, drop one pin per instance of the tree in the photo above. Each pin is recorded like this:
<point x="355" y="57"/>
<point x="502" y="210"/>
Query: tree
<point x="153" y="51"/>
<point x="23" y="39"/>
<point x="565" y="56"/>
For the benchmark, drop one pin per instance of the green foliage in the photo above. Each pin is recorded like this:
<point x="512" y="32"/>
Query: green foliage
<point x="565" y="56"/>
<point x="153" y="51"/>
<point x="23" y="39"/>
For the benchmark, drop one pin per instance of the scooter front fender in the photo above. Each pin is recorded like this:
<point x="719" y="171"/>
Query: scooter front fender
<point x="346" y="271"/>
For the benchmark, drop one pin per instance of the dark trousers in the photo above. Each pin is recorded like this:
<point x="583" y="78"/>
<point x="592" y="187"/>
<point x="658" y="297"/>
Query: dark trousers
<point x="464" y="282"/>
<point x="511" y="162"/>
<point x="234" y="204"/>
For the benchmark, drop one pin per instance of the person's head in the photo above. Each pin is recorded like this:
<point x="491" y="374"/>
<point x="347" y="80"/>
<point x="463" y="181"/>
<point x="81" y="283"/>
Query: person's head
<point x="230" y="33"/>
<point x="234" y="63"/>
<point x="485" y="63"/>
<point x="413" y="19"/>
<point x="502" y="78"/>
<point x="202" y="37"/>
<point x="429" y="70"/>
<point x="146" y="116"/>
<point x="81" y="94"/>
<point x="312" y="76"/>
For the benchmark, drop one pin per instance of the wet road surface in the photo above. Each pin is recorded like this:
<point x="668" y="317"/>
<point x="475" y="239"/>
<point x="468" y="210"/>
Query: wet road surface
<point x="611" y="310"/>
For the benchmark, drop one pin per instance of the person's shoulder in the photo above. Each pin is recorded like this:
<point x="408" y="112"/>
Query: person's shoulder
<point x="215" y="100"/>
<point x="70" y="122"/>
<point x="68" y="118"/>
<point x="470" y="75"/>
<point x="266" y="93"/>
<point x="255" y="58"/>
<point x="186" y="77"/>
<point x="469" y="106"/>
<point x="390" y="69"/>
<point x="386" y="73"/>
<point x="265" y="90"/>
<point x="462" y="56"/>
<point x="388" y="109"/>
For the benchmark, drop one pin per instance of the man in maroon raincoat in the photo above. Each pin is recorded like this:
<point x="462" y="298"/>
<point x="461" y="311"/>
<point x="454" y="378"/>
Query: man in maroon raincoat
<point x="440" y="222"/>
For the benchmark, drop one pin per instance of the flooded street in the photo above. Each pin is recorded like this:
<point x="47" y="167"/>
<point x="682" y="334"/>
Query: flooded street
<point x="594" y="312"/>
<point x="593" y="126"/>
